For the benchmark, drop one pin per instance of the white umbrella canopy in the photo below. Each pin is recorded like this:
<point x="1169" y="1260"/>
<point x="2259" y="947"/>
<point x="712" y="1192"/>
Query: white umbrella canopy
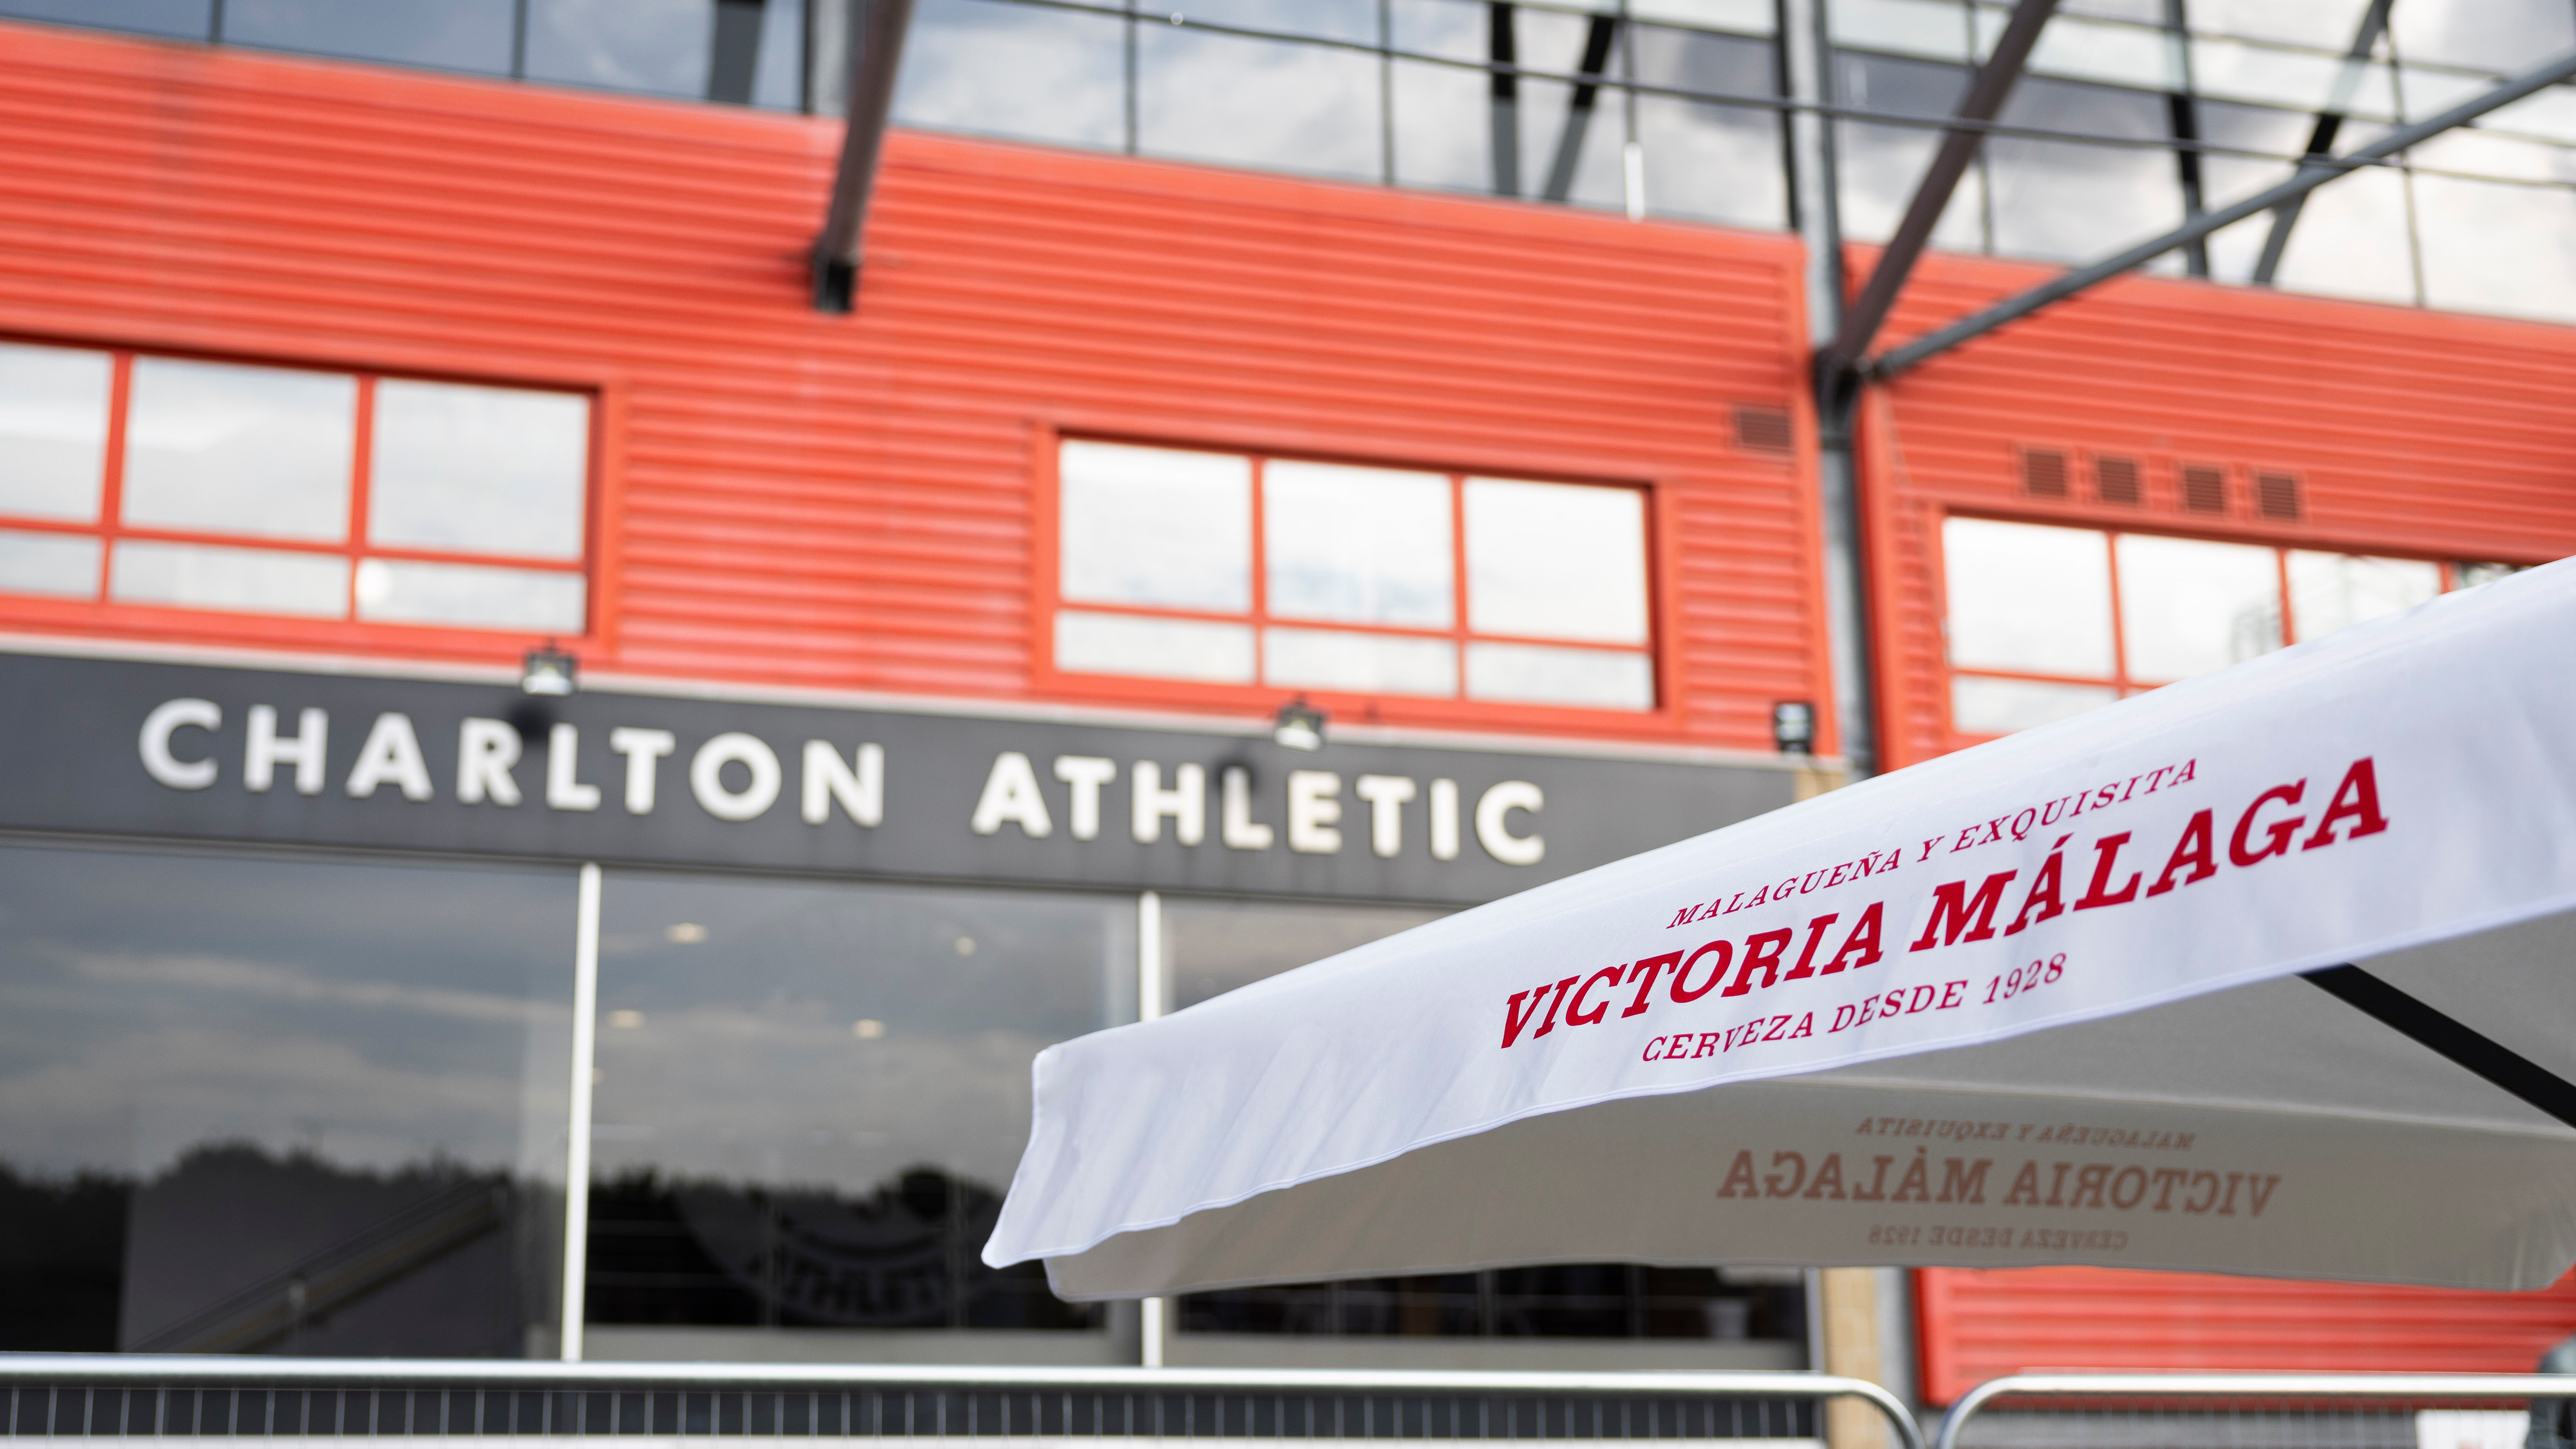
<point x="2036" y="1002"/>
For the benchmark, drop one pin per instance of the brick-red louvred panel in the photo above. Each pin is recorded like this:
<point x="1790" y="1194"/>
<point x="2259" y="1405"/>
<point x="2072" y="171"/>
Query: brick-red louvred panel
<point x="1978" y="1324"/>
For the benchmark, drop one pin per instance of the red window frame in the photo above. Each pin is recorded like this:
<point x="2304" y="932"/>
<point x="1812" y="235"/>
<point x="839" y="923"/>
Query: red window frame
<point x="101" y="611"/>
<point x="1659" y="718"/>
<point x="2120" y="681"/>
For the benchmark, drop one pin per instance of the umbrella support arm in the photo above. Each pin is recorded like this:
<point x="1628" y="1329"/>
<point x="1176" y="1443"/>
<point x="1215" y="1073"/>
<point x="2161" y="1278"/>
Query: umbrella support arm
<point x="2411" y="1018"/>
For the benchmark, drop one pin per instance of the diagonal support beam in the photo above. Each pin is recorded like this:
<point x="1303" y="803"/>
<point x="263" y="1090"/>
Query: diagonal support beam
<point x="2447" y="1036"/>
<point x="1579" y="108"/>
<point x="876" y="55"/>
<point x="2321" y="140"/>
<point x="1984" y="101"/>
<point x="2013" y="309"/>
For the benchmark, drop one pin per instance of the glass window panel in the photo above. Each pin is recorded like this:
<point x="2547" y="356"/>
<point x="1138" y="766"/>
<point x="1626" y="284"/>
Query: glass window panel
<point x="1556" y="561"/>
<point x="395" y="591"/>
<point x="1744" y="17"/>
<point x="1924" y="29"/>
<point x="1555" y="42"/>
<point x="1443" y="127"/>
<point x="2549" y="115"/>
<point x="1712" y="162"/>
<point x="48" y="563"/>
<point x="2332" y="591"/>
<point x="1351" y="20"/>
<point x="662" y="47"/>
<point x="1357" y="545"/>
<point x="778" y="73"/>
<point x="1288" y="107"/>
<point x="193" y="19"/>
<point x="478" y="469"/>
<point x="1015" y="70"/>
<point x="2073" y="203"/>
<point x="202" y="576"/>
<point x="811" y="1097"/>
<point x="2145" y="12"/>
<point x="2502" y="36"/>
<point x="2189" y="606"/>
<point x="223" y="1077"/>
<point x="1596" y="177"/>
<point x="1450" y="29"/>
<point x="1157" y="648"/>
<point x="1211" y="947"/>
<point x="2322" y="24"/>
<point x="2001" y="706"/>
<point x="1536" y="674"/>
<point x="1879" y="166"/>
<point x="2120" y="55"/>
<point x="471" y="35"/>
<point x="2264" y="76"/>
<point x="2023" y="596"/>
<point x="2491" y="154"/>
<point x="1358" y="663"/>
<point x="2351" y="240"/>
<point x="2423" y="92"/>
<point x="1155" y="526"/>
<point x="2498" y="247"/>
<point x="53" y="431"/>
<point x="228" y="449"/>
<point x="2469" y="575"/>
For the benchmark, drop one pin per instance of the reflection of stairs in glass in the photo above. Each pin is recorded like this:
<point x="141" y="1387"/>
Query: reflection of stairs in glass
<point x="270" y="1311"/>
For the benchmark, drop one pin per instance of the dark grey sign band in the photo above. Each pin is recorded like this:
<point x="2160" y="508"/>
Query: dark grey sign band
<point x="195" y="752"/>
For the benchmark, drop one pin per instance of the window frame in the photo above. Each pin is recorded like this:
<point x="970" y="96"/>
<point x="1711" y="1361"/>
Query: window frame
<point x="2119" y="680"/>
<point x="1660" y="720"/>
<point x="597" y="562"/>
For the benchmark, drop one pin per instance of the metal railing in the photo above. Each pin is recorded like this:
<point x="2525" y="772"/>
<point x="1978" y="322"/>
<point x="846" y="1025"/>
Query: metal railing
<point x="54" y="1395"/>
<point x="2242" y="1410"/>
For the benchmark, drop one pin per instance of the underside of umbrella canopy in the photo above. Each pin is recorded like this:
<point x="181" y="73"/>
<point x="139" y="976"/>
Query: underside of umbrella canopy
<point x="2036" y="1002"/>
<point x="2268" y="1129"/>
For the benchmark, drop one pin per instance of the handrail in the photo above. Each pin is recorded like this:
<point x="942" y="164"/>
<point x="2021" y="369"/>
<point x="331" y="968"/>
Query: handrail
<point x="2400" y="1387"/>
<point x="107" y="1368"/>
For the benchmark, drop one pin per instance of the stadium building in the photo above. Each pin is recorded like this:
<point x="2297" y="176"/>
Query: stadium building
<point x="600" y="645"/>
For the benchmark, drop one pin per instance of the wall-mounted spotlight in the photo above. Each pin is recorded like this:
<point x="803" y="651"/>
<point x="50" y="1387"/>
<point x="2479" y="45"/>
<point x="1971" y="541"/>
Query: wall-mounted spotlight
<point x="549" y="671"/>
<point x="1301" y="725"/>
<point x="1793" y="727"/>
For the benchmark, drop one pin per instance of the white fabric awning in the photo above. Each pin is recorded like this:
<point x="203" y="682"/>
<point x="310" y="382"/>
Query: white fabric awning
<point x="2035" y="1002"/>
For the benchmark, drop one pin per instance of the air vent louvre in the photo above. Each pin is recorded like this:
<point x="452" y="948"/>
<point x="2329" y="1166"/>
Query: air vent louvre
<point x="2115" y="480"/>
<point x="1763" y="429"/>
<point x="2043" y="473"/>
<point x="2276" y="495"/>
<point x="2204" y="488"/>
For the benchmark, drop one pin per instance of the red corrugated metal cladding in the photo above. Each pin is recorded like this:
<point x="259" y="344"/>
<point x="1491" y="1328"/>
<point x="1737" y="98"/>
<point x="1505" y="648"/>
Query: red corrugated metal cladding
<point x="847" y="502"/>
<point x="2408" y="433"/>
<point x="1978" y="1324"/>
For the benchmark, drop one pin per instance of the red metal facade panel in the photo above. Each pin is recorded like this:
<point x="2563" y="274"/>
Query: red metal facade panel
<point x="1981" y="1323"/>
<point x="848" y="502"/>
<point x="2410" y="433"/>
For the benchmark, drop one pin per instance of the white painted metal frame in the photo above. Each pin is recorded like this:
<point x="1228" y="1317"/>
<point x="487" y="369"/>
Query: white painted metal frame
<point x="2236" y="1388"/>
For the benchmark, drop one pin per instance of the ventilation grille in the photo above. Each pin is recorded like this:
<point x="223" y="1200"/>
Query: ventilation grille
<point x="2115" y="480"/>
<point x="2276" y="495"/>
<point x="1763" y="430"/>
<point x="2204" y="489"/>
<point x="2043" y="473"/>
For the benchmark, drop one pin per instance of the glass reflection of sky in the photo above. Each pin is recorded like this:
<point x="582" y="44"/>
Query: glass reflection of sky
<point x="369" y="1015"/>
<point x="750" y="1058"/>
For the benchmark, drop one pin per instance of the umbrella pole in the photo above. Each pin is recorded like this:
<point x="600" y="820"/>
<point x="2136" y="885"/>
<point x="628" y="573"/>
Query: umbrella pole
<point x="2395" y="1009"/>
